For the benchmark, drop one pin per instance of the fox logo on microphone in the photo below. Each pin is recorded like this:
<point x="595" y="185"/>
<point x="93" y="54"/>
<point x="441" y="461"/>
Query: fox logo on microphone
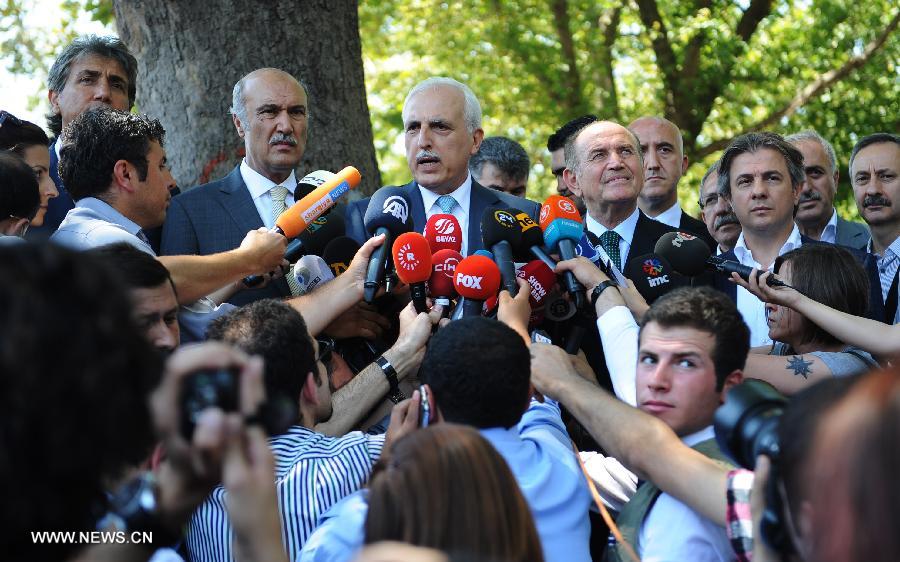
<point x="470" y="281"/>
<point x="654" y="270"/>
<point x="396" y="206"/>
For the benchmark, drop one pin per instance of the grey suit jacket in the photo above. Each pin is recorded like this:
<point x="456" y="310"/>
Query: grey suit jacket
<point x="212" y="218"/>
<point x="480" y="199"/>
<point x="851" y="234"/>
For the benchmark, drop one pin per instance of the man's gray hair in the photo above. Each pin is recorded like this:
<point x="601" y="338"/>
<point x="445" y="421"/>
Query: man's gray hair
<point x="572" y="158"/>
<point x="714" y="169"/>
<point x="238" y="103"/>
<point x="810" y="135"/>
<point x="106" y="46"/>
<point x="753" y="142"/>
<point x="471" y="110"/>
<point x="869" y="140"/>
<point x="506" y="154"/>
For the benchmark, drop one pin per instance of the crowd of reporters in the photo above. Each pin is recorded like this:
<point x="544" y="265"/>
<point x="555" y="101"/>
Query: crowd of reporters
<point x="444" y="370"/>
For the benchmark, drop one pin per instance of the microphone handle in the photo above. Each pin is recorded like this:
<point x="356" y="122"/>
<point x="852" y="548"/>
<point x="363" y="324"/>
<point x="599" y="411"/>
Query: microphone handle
<point x="417" y="293"/>
<point x="471" y="307"/>
<point x="375" y="271"/>
<point x="573" y="287"/>
<point x="503" y="258"/>
<point x="540" y="254"/>
<point x="728" y="267"/>
<point x="251" y="281"/>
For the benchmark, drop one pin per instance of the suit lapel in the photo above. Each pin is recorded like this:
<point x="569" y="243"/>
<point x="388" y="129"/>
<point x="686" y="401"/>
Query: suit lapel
<point x="480" y="199"/>
<point x="418" y="206"/>
<point x="236" y="200"/>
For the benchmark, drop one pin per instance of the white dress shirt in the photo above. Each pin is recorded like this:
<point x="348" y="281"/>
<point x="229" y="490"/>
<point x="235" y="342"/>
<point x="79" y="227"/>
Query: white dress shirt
<point x="888" y="264"/>
<point x="829" y="233"/>
<point x="461" y="211"/>
<point x="624" y="229"/>
<point x="258" y="185"/>
<point x="671" y="216"/>
<point x="673" y="531"/>
<point x="751" y="308"/>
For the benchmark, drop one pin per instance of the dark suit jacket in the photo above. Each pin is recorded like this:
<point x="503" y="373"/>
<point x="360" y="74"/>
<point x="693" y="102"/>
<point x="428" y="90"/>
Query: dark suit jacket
<point x="480" y="199"/>
<point x="56" y="207"/>
<point x="851" y="234"/>
<point x="867" y="260"/>
<point x="698" y="228"/>
<point x="214" y="218"/>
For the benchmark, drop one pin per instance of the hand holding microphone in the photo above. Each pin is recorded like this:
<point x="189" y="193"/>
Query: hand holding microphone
<point x="500" y="231"/>
<point x="562" y="228"/>
<point x="387" y="214"/>
<point x="298" y="217"/>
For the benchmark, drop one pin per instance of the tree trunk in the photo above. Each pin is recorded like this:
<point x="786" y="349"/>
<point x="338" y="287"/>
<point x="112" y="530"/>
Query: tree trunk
<point x="190" y="54"/>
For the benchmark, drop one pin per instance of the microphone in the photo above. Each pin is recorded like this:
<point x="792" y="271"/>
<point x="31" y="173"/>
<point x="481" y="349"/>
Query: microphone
<point x="412" y="261"/>
<point x="440" y="284"/>
<point x="532" y="241"/>
<point x="500" y="231"/>
<point x="586" y="249"/>
<point x="339" y="253"/>
<point x="442" y="231"/>
<point x="298" y="217"/>
<point x="542" y="279"/>
<point x="690" y="256"/>
<point x="388" y="214"/>
<point x="476" y="279"/>
<point x="310" y="272"/>
<point x="651" y="275"/>
<point x="310" y="181"/>
<point x="562" y="228"/>
<point x="485" y="253"/>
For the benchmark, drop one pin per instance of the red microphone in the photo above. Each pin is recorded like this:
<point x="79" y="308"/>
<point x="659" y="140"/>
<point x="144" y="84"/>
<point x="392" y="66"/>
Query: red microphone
<point x="412" y="261"/>
<point x="440" y="284"/>
<point x="443" y="233"/>
<point x="542" y="279"/>
<point x="476" y="279"/>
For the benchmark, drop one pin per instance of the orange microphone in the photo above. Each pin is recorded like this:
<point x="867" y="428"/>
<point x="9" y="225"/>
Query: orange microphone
<point x="299" y="216"/>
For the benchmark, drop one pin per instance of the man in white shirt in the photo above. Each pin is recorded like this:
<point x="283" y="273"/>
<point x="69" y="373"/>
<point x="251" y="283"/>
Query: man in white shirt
<point x="761" y="175"/>
<point x="442" y="124"/>
<point x="662" y="147"/>
<point x="816" y="216"/>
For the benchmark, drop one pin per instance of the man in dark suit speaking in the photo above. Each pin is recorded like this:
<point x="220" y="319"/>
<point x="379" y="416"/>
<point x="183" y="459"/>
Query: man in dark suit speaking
<point x="269" y="110"/>
<point x="442" y="129"/>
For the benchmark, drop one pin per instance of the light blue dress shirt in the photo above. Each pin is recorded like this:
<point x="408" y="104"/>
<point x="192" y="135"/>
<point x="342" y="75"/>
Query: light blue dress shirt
<point x="540" y="455"/>
<point x="94" y="223"/>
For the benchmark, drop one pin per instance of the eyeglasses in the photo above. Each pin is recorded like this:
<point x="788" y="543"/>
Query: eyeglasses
<point x="7" y="116"/>
<point x="710" y="200"/>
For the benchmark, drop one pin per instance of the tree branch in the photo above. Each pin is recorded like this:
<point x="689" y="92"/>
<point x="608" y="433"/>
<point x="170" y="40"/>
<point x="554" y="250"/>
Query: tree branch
<point x="572" y="79"/>
<point x="814" y="88"/>
<point x="753" y="15"/>
<point x="607" y="27"/>
<point x="665" y="55"/>
<point x="691" y="65"/>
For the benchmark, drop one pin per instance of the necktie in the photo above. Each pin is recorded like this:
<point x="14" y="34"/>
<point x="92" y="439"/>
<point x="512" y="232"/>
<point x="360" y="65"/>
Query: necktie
<point x="610" y="242"/>
<point x="447" y="203"/>
<point x="278" y="194"/>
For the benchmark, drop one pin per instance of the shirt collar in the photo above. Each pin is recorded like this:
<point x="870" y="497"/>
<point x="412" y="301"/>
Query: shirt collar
<point x="110" y="214"/>
<point x="745" y="256"/>
<point x="671" y="216"/>
<point x="258" y="184"/>
<point x="461" y="194"/>
<point x="704" y="434"/>
<point x="831" y="227"/>
<point x="892" y="251"/>
<point x="625" y="229"/>
<point x="57" y="146"/>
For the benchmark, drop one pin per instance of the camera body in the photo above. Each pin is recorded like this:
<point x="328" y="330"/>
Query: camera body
<point x="746" y="426"/>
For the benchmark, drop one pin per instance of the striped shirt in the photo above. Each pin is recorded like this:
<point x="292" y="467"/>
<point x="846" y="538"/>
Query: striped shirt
<point x="312" y="472"/>
<point x="888" y="265"/>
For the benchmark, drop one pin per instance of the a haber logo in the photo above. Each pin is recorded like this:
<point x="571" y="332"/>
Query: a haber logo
<point x="567" y="207"/>
<point x="407" y="259"/>
<point x="470" y="281"/>
<point x="444" y="226"/>
<point x="545" y="212"/>
<point x="504" y="218"/>
<point x="680" y="238"/>
<point x="652" y="266"/>
<point x="396" y="206"/>
<point x="447" y="267"/>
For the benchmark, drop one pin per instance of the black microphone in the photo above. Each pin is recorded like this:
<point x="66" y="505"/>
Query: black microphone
<point x="652" y="276"/>
<point x="388" y="214"/>
<point x="690" y="256"/>
<point x="500" y="231"/>
<point x="311" y="242"/>
<point x="339" y="253"/>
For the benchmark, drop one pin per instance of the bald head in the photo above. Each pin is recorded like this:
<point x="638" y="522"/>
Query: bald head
<point x="664" y="163"/>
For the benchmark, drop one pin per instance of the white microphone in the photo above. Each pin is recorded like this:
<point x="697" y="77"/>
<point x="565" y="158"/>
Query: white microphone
<point x="310" y="271"/>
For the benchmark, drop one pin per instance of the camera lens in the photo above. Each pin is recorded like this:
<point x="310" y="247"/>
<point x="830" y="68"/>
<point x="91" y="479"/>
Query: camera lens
<point x="746" y="424"/>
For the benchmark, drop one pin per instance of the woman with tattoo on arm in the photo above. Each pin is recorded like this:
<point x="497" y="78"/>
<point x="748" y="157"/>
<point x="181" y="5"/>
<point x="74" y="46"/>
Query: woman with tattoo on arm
<point x="804" y="352"/>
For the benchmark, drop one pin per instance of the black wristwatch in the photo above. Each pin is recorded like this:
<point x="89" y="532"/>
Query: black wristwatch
<point x="601" y="286"/>
<point x="133" y="508"/>
<point x="394" y="393"/>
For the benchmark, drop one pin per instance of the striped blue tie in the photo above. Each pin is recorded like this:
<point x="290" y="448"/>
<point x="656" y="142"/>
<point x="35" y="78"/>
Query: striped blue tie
<point x="447" y="203"/>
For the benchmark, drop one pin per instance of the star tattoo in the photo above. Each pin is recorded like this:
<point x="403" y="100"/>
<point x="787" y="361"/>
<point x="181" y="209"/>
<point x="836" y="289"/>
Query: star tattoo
<point x="799" y="366"/>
